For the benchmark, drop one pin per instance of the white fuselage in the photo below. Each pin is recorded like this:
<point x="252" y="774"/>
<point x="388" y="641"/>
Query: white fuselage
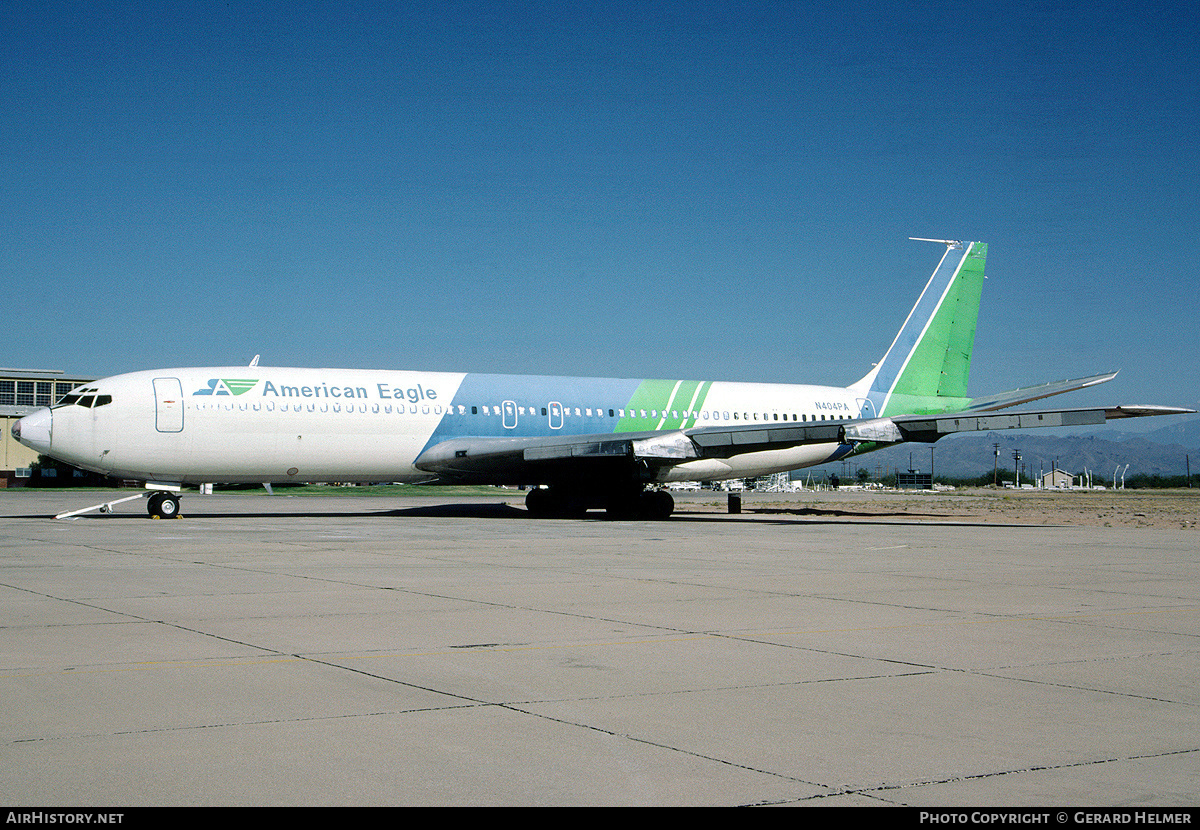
<point x="263" y="424"/>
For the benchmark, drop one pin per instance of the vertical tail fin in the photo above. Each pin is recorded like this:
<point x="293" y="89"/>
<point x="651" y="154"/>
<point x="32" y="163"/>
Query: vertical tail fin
<point x="930" y="359"/>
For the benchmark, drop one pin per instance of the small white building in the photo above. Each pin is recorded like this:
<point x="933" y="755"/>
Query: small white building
<point x="1057" y="479"/>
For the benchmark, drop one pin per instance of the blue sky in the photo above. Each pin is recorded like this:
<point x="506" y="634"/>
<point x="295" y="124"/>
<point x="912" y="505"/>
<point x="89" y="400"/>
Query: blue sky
<point x="703" y="190"/>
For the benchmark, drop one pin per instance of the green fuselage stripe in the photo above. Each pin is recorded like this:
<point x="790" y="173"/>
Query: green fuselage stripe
<point x="664" y="404"/>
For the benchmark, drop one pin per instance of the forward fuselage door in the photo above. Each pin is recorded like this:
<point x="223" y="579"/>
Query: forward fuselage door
<point x="168" y="405"/>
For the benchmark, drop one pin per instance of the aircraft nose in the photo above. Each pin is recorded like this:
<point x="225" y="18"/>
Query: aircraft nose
<point x="34" y="430"/>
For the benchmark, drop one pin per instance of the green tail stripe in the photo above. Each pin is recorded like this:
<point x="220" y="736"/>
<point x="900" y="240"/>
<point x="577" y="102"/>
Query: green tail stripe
<point x="941" y="362"/>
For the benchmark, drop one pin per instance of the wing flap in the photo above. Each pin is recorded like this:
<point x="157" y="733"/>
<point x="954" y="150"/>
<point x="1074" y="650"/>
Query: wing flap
<point x="723" y="442"/>
<point x="532" y="460"/>
<point x="587" y="449"/>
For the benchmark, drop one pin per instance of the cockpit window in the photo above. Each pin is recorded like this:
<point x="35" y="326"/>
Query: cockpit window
<point x="85" y="398"/>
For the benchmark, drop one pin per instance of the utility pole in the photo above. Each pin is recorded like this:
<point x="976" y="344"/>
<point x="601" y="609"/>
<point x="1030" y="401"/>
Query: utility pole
<point x="996" y="466"/>
<point x="1017" y="468"/>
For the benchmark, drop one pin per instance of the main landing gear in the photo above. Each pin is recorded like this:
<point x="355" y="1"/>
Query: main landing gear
<point x="561" y="503"/>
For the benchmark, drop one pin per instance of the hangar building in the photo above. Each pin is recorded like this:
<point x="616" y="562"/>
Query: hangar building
<point x="21" y="392"/>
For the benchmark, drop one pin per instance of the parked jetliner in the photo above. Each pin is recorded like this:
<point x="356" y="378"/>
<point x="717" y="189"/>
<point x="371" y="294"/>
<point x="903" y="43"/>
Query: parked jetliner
<point x="580" y="442"/>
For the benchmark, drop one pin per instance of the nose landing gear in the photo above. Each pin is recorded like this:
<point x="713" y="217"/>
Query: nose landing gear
<point x="160" y="504"/>
<point x="163" y="506"/>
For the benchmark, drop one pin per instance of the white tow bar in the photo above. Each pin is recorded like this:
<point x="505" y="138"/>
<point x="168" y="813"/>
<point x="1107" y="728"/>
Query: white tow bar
<point x="106" y="507"/>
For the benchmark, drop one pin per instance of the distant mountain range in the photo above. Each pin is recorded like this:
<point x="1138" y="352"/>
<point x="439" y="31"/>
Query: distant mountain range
<point x="1184" y="433"/>
<point x="1163" y="451"/>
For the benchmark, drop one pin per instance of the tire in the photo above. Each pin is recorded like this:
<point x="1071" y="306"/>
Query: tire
<point x="537" y="502"/>
<point x="556" y="504"/>
<point x="657" y="504"/>
<point x="163" y="506"/>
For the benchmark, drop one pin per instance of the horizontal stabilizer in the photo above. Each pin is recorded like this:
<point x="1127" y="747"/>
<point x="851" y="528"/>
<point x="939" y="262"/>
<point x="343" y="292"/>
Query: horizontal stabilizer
<point x="1001" y="400"/>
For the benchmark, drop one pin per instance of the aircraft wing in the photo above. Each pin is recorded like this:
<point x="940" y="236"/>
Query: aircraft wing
<point x="1002" y="400"/>
<point x="630" y="454"/>
<point x="534" y="460"/>
<point x="929" y="428"/>
<point x="548" y="459"/>
<point x="727" y="441"/>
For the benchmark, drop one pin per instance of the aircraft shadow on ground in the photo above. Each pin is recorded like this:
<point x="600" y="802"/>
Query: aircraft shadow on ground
<point x="503" y="510"/>
<point x="463" y="511"/>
